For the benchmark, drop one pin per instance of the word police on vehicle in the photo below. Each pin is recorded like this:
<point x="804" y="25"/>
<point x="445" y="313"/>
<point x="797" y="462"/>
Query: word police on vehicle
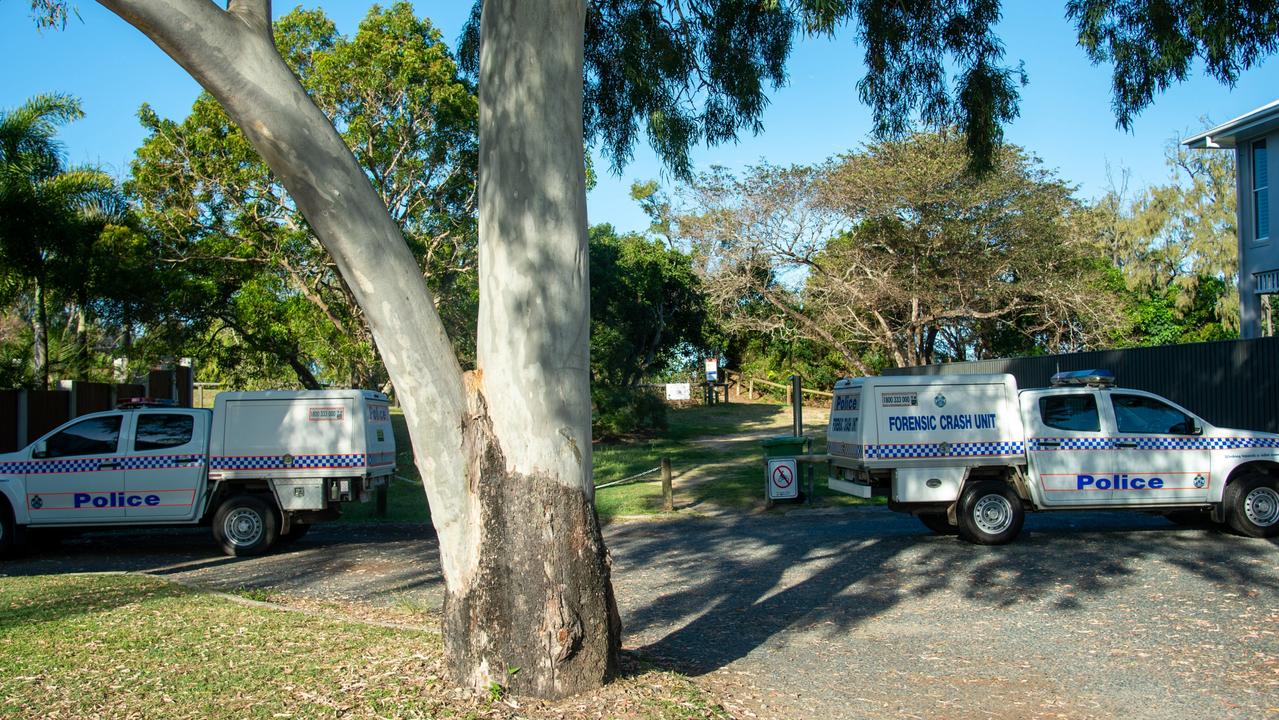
<point x="258" y="469"/>
<point x="971" y="454"/>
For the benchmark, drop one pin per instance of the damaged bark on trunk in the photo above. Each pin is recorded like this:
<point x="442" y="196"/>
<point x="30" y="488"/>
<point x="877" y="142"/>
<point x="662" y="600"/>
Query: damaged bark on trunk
<point x="538" y="616"/>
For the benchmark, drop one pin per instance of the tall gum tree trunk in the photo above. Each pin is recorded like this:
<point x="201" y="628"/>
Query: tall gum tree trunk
<point x="541" y="599"/>
<point x="505" y="459"/>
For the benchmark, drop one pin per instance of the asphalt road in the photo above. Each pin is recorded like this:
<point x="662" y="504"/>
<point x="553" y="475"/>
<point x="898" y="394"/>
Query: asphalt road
<point x="859" y="613"/>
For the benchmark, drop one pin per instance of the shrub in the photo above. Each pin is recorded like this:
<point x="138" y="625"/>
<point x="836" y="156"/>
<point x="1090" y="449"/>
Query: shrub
<point x="625" y="411"/>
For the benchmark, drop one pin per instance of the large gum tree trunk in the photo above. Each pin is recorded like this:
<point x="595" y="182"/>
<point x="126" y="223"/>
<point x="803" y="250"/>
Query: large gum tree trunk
<point x="505" y="458"/>
<point x="541" y="598"/>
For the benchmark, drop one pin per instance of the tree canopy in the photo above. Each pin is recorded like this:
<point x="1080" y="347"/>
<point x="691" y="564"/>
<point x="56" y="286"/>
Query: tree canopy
<point x="895" y="255"/>
<point x="267" y="304"/>
<point x="690" y="72"/>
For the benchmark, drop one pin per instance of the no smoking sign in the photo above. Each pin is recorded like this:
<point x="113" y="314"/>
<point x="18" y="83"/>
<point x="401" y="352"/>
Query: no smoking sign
<point x="780" y="477"/>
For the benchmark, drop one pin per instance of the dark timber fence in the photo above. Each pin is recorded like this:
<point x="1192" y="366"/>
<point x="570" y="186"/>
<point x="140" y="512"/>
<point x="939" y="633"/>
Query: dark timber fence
<point x="1232" y="383"/>
<point x="25" y="415"/>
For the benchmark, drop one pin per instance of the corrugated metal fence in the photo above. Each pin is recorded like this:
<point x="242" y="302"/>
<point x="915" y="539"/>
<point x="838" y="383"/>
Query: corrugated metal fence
<point x="1232" y="383"/>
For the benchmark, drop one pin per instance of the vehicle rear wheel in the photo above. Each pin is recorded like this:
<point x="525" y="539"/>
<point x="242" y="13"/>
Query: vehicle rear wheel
<point x="245" y="525"/>
<point x="990" y="513"/>
<point x="937" y="522"/>
<point x="1252" y="506"/>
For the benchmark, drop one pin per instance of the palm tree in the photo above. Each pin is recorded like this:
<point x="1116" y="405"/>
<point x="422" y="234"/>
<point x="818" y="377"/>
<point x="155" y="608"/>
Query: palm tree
<point x="48" y="211"/>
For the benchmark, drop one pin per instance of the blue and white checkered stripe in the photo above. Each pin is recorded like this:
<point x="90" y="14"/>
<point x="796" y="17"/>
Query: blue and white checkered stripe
<point x="161" y="462"/>
<point x="944" y="450"/>
<point x="93" y="464"/>
<point x="69" y="465"/>
<point x="276" y="462"/>
<point x="1153" y="443"/>
<point x="1205" y="443"/>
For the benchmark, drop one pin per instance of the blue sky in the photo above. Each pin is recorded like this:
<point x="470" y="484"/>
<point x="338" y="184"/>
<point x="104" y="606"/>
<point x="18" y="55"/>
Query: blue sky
<point x="1065" y="111"/>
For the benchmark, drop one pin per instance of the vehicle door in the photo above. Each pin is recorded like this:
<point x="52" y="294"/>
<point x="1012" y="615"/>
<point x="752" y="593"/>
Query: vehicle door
<point x="1160" y="454"/>
<point x="1068" y="446"/>
<point x="77" y="473"/>
<point x="165" y="467"/>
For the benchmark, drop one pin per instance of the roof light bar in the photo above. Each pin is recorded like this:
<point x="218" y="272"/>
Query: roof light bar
<point x="144" y="402"/>
<point x="1083" y="378"/>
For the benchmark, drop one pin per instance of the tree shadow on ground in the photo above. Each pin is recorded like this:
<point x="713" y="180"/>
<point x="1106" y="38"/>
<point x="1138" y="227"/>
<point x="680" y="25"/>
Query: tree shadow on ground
<point x="732" y="585"/>
<point x="381" y="563"/>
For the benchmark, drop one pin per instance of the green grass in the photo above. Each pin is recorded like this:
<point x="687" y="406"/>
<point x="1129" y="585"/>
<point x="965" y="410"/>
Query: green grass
<point x="131" y="646"/>
<point x="735" y="473"/>
<point x="405" y="498"/>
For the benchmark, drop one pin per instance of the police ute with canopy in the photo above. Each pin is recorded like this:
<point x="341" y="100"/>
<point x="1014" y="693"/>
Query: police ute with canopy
<point x="971" y="454"/>
<point x="258" y="469"/>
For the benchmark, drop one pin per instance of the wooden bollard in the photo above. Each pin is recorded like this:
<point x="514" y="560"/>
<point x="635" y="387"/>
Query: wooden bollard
<point x="668" y="497"/>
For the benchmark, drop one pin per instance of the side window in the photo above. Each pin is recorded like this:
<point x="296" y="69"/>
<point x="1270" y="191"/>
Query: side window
<point x="1070" y="412"/>
<point x="95" y="436"/>
<point x="156" y="431"/>
<point x="1140" y="414"/>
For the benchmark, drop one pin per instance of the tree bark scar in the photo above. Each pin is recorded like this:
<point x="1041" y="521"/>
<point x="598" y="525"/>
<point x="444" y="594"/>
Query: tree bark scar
<point x="538" y="617"/>
<point x="572" y="444"/>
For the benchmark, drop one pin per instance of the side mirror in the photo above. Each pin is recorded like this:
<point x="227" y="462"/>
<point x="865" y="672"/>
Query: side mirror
<point x="1196" y="429"/>
<point x="41" y="450"/>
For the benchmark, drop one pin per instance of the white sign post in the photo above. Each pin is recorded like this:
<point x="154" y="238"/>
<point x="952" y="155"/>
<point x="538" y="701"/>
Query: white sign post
<point x="678" y="391"/>
<point x="712" y="370"/>
<point x="782" y="478"/>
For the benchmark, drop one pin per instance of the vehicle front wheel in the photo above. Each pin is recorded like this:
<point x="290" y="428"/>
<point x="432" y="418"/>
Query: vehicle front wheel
<point x="938" y="523"/>
<point x="245" y="525"/>
<point x="990" y="513"/>
<point x="1252" y="506"/>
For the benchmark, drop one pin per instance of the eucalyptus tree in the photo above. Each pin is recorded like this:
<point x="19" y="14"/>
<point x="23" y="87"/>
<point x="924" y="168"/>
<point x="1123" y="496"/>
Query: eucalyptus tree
<point x="896" y="255"/>
<point x="505" y="450"/>
<point x="276" y="302"/>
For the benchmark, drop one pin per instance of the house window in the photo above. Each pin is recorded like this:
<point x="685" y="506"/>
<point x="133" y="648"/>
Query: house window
<point x="1260" y="192"/>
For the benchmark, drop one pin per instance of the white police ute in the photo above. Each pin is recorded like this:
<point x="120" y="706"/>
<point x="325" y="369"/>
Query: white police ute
<point x="259" y="468"/>
<point x="970" y="454"/>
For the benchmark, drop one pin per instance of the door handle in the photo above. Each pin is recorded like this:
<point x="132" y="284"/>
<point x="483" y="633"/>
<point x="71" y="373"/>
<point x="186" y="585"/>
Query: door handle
<point x="1049" y="443"/>
<point x="186" y="461"/>
<point x="1125" y="444"/>
<point x="108" y="465"/>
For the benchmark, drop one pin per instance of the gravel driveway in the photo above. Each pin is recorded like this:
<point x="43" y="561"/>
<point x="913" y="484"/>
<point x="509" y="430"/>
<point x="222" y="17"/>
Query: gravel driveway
<point x="860" y="613"/>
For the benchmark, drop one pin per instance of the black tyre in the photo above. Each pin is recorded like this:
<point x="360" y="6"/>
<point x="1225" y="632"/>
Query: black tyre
<point x="245" y="525"/>
<point x="1252" y="506"/>
<point x="938" y="523"/>
<point x="296" y="530"/>
<point x="990" y="513"/>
